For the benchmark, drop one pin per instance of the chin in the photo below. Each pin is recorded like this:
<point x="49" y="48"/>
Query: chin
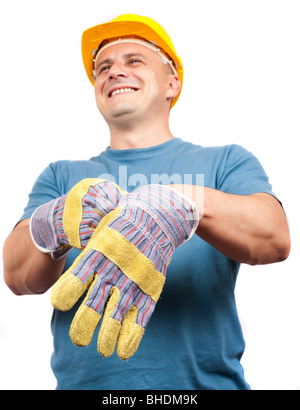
<point x="123" y="110"/>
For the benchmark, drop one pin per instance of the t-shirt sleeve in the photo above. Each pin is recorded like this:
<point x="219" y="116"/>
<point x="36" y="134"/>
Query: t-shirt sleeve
<point x="242" y="174"/>
<point x="44" y="189"/>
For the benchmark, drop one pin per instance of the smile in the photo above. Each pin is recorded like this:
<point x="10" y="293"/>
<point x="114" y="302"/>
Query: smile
<point x="122" y="91"/>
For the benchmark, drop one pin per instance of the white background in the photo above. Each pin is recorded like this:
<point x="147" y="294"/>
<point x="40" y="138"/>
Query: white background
<point x="242" y="65"/>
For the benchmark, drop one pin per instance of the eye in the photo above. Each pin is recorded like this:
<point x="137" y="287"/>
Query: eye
<point x="103" y="69"/>
<point x="134" y="61"/>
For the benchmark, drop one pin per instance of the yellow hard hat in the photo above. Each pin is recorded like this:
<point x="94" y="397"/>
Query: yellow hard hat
<point x="128" y="25"/>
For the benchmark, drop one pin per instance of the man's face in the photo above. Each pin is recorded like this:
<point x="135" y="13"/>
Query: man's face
<point x="131" y="81"/>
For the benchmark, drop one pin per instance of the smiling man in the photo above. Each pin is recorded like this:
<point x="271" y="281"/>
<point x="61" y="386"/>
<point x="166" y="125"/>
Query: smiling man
<point x="167" y="252"/>
<point x="135" y="80"/>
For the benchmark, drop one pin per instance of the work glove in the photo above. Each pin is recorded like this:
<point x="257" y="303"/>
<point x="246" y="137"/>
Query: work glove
<point x="70" y="220"/>
<point x="124" y="268"/>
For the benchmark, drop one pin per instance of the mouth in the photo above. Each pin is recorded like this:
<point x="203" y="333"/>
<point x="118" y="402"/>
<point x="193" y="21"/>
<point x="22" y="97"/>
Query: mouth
<point x="122" y="90"/>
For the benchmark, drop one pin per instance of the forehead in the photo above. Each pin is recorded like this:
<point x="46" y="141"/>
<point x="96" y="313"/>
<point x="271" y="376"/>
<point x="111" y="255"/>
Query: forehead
<point x="125" y="49"/>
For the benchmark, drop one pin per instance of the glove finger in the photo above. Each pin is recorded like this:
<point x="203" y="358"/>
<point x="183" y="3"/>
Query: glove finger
<point x="86" y="204"/>
<point x="146" y="307"/>
<point x="115" y="310"/>
<point x="100" y="293"/>
<point x="87" y="229"/>
<point x="128" y="297"/>
<point x="73" y="210"/>
<point x="110" y="327"/>
<point x="134" y="324"/>
<point x="101" y="198"/>
<point x="130" y="335"/>
<point x="85" y="321"/>
<point x="90" y="312"/>
<point x="74" y="282"/>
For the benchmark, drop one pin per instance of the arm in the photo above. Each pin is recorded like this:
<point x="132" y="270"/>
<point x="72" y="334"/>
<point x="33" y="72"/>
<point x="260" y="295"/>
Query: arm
<point x="249" y="229"/>
<point x="26" y="269"/>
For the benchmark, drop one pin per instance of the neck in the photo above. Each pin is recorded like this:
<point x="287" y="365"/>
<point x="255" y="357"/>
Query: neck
<point x="135" y="136"/>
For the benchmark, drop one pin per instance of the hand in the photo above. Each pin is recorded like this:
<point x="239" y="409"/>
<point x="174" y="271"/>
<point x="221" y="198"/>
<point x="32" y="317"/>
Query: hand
<point x="124" y="267"/>
<point x="70" y="220"/>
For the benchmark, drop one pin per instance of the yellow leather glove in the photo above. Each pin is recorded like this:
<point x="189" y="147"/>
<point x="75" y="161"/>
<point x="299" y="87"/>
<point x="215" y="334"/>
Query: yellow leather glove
<point x="124" y="267"/>
<point x="70" y="220"/>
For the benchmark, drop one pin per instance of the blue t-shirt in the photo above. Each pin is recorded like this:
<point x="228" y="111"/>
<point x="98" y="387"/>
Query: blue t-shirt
<point x="194" y="339"/>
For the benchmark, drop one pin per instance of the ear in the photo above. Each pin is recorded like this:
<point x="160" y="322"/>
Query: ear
<point x="173" y="86"/>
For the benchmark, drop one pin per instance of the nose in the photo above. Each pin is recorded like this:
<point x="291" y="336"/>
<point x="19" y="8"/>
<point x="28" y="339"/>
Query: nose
<point x="116" y="71"/>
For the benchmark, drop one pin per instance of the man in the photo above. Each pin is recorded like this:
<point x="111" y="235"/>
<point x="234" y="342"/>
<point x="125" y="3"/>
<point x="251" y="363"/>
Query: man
<point x="194" y="338"/>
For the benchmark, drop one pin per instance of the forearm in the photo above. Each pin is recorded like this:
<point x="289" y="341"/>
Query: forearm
<point x="26" y="269"/>
<point x="249" y="229"/>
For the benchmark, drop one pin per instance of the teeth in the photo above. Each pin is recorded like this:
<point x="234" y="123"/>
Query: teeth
<point x="122" y="90"/>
